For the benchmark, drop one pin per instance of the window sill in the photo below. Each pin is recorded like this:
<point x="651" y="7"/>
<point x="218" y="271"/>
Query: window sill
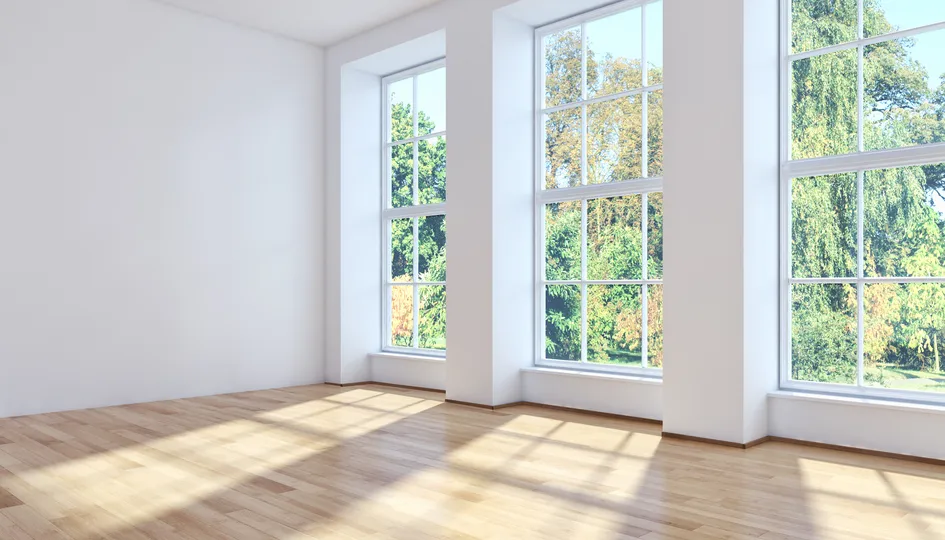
<point x="593" y="375"/>
<point x="411" y="357"/>
<point x="857" y="401"/>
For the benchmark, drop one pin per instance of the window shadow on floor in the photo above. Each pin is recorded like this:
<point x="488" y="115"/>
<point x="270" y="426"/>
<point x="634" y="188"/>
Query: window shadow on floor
<point x="376" y="462"/>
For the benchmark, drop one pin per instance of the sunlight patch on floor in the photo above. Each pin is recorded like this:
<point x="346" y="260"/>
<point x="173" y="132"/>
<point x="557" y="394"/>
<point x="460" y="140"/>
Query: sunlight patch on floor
<point x="145" y="481"/>
<point x="840" y="497"/>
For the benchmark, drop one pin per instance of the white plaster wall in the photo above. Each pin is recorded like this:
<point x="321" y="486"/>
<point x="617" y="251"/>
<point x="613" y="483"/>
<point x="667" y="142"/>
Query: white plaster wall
<point x="513" y="217"/>
<point x="721" y="166"/>
<point x="861" y="423"/>
<point x="761" y="257"/>
<point x="422" y="372"/>
<point x="160" y="206"/>
<point x="703" y="227"/>
<point x="641" y="398"/>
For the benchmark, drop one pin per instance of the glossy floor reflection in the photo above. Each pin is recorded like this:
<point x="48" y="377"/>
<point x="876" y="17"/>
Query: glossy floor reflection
<point x="376" y="462"/>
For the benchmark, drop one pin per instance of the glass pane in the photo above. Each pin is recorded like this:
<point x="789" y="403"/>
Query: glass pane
<point x="824" y="117"/>
<point x="614" y="52"/>
<point x="563" y="148"/>
<point x="885" y="16"/>
<point x="654" y="326"/>
<point x="819" y="23"/>
<point x="903" y="92"/>
<point x="823" y="333"/>
<point x="432" y="329"/>
<point x="563" y="240"/>
<point x="654" y="241"/>
<point x="823" y="226"/>
<point x="654" y="42"/>
<point x="904" y="222"/>
<point x="614" y="238"/>
<point x="563" y="67"/>
<point x="614" y="140"/>
<point x="431" y="178"/>
<point x="615" y="324"/>
<point x="401" y="315"/>
<point x="432" y="248"/>
<point x="431" y="102"/>
<point x="563" y="322"/>
<point x="401" y="249"/>
<point x="654" y="133"/>
<point x="904" y="336"/>
<point x="401" y="175"/>
<point x="400" y="95"/>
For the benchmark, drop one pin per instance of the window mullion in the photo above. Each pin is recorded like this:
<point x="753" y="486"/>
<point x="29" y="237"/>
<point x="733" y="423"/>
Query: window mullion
<point x="643" y="45"/>
<point x="644" y="265"/>
<point x="584" y="162"/>
<point x="416" y="279"/>
<point x="583" y="61"/>
<point x="644" y="198"/>
<point x="859" y="76"/>
<point x="584" y="280"/>
<point x="416" y="316"/>
<point x="644" y="153"/>
<point x="860" y="285"/>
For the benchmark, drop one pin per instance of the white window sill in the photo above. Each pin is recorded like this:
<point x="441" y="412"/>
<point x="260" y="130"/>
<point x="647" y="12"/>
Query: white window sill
<point x="411" y="357"/>
<point x="858" y="401"/>
<point x="593" y="375"/>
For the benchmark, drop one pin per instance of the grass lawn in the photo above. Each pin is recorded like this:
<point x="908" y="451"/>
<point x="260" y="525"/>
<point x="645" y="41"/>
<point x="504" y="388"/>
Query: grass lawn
<point x="906" y="379"/>
<point x="620" y="358"/>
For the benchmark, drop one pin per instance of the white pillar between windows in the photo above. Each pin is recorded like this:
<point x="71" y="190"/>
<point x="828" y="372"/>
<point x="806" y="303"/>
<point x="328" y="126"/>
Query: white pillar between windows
<point x="490" y="194"/>
<point x="469" y="202"/>
<point x="353" y="321"/>
<point x="721" y="226"/>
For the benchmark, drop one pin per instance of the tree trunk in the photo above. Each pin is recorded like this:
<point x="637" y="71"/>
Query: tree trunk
<point x="938" y="361"/>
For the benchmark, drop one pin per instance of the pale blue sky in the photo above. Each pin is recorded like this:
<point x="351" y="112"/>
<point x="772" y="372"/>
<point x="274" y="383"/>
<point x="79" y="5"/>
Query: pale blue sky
<point x="619" y="35"/>
<point x="431" y="95"/>
<point x="929" y="49"/>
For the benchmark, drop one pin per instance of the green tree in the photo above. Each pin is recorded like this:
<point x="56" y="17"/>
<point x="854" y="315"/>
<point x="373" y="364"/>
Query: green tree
<point x="430" y="231"/>
<point x="904" y="235"/>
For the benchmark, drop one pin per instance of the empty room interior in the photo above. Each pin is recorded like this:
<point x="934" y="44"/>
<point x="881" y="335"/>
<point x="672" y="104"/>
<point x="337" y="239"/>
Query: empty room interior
<point x="472" y="269"/>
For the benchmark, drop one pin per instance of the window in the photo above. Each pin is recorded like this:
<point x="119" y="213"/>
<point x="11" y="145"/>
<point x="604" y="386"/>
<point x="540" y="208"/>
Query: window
<point x="599" y="190"/>
<point x="863" y="197"/>
<point x="414" y="212"/>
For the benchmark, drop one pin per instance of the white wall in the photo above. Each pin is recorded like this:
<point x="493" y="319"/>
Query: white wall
<point x="420" y="371"/>
<point x="902" y="428"/>
<point x="721" y="228"/>
<point x="601" y="392"/>
<point x="721" y="163"/>
<point x="160" y="206"/>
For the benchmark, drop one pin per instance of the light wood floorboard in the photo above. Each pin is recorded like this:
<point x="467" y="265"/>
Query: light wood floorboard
<point x="374" y="462"/>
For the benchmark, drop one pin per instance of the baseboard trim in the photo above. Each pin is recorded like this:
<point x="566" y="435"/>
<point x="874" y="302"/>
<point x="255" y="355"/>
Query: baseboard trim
<point x="392" y="385"/>
<point x="666" y="434"/>
<point x="690" y="438"/>
<point x="718" y="442"/>
<point x="614" y="416"/>
<point x="863" y="451"/>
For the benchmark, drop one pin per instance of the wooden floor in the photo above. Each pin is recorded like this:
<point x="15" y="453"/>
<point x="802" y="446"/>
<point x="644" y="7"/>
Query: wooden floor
<point x="375" y="462"/>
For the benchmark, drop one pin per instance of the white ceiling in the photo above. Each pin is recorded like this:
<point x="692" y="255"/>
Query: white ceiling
<point x="322" y="22"/>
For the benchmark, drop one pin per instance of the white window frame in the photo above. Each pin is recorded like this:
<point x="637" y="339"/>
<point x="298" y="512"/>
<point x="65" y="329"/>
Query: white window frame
<point x="639" y="186"/>
<point x="416" y="210"/>
<point x="858" y="163"/>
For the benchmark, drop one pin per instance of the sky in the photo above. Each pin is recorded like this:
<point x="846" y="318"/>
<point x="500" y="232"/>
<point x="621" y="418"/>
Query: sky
<point x="619" y="35"/>
<point x="431" y="95"/>
<point x="929" y="49"/>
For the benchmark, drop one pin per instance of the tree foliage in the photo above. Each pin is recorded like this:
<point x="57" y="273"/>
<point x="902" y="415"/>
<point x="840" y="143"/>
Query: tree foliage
<point x="614" y="238"/>
<point x="903" y="233"/>
<point x="429" y="233"/>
